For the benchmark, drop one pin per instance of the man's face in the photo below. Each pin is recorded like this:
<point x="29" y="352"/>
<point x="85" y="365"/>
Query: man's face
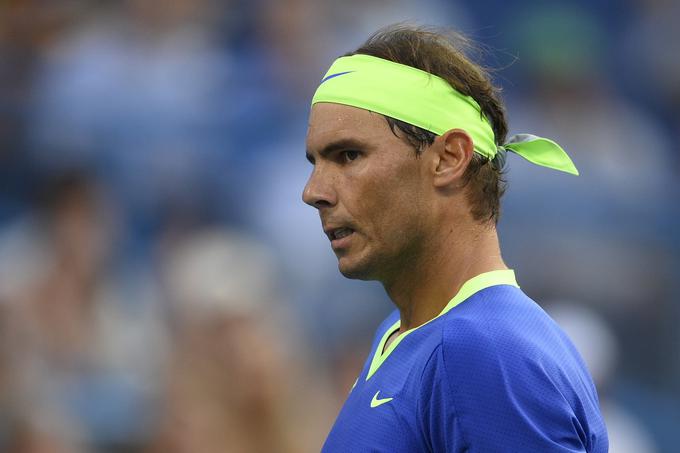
<point x="369" y="188"/>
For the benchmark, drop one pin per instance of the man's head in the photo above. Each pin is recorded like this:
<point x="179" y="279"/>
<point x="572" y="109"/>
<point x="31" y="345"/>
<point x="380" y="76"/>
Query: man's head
<point x="381" y="177"/>
<point x="396" y="188"/>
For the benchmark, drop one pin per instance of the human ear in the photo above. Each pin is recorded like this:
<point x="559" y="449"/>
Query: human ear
<point x="453" y="152"/>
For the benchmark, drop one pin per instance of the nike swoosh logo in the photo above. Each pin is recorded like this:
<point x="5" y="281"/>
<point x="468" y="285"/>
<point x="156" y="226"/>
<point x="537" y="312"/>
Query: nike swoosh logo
<point x="334" y="75"/>
<point x="375" y="402"/>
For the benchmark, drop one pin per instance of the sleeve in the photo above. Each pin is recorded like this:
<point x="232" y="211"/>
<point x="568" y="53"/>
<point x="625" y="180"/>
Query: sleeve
<point x="480" y="396"/>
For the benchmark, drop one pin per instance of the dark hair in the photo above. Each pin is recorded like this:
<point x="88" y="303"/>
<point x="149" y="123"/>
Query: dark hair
<point x="443" y="54"/>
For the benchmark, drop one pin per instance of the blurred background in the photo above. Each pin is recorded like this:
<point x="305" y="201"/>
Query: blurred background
<point x="164" y="289"/>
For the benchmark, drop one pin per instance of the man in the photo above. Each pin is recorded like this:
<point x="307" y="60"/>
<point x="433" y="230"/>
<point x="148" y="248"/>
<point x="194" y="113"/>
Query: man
<point x="407" y="138"/>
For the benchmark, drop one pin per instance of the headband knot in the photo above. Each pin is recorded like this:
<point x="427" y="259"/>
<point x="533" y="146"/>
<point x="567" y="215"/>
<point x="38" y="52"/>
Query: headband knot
<point x="540" y="151"/>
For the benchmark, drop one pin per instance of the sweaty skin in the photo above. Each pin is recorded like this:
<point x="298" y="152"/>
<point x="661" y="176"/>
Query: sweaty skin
<point x="411" y="221"/>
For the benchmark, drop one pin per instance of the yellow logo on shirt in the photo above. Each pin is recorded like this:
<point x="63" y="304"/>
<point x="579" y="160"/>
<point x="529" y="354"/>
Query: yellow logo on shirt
<point x="375" y="402"/>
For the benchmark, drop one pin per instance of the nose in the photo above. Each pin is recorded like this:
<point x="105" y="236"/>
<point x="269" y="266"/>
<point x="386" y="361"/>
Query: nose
<point x="318" y="191"/>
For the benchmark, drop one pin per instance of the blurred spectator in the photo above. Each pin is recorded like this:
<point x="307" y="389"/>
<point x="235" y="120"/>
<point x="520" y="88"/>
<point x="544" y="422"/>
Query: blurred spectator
<point x="139" y="93"/>
<point x="80" y="338"/>
<point x="27" y="27"/>
<point x="238" y="380"/>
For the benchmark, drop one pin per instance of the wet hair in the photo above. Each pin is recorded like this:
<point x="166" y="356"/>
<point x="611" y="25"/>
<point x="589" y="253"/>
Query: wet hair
<point x="444" y="54"/>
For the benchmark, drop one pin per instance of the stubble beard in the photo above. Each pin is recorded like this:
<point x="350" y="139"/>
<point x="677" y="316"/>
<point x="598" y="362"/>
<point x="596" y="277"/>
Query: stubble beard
<point x="360" y="270"/>
<point x="364" y="264"/>
<point x="380" y="265"/>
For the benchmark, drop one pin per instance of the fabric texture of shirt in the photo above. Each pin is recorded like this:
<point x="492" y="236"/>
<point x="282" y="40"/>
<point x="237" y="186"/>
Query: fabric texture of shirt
<point x="492" y="373"/>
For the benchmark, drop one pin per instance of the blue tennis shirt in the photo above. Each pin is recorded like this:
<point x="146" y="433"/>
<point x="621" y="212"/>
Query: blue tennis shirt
<point x="492" y="373"/>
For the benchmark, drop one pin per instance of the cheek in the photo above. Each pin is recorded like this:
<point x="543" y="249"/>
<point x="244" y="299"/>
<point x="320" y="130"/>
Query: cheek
<point x="394" y="207"/>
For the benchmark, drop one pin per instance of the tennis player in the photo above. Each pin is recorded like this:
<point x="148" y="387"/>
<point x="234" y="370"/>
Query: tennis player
<point x="407" y="137"/>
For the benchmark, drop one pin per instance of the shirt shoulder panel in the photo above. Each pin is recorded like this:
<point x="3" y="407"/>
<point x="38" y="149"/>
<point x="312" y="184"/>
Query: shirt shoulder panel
<point x="511" y="377"/>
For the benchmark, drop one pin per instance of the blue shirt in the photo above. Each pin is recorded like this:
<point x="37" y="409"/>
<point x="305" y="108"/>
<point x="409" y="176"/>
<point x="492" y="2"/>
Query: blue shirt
<point x="492" y="374"/>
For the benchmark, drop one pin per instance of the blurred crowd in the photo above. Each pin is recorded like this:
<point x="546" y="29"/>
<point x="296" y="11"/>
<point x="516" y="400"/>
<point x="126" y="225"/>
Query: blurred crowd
<point x="164" y="289"/>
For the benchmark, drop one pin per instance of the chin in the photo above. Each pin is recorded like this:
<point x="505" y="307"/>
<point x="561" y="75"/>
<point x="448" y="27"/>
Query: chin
<point x="355" y="271"/>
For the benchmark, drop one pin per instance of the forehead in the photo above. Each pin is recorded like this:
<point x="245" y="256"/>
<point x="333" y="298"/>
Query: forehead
<point x="331" y="122"/>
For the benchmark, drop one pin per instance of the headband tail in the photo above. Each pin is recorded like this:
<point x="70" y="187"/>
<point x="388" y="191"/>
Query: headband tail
<point x="541" y="151"/>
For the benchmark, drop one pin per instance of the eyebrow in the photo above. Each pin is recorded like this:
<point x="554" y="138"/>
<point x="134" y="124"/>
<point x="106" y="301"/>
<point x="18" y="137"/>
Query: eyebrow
<point x="342" y="144"/>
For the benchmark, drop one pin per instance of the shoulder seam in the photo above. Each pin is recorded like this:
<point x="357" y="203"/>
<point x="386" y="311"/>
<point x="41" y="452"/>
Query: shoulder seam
<point x="453" y="396"/>
<point x="437" y="349"/>
<point x="419" y="417"/>
<point x="440" y="344"/>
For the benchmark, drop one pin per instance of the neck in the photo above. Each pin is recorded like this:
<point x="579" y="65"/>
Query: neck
<point x="425" y="287"/>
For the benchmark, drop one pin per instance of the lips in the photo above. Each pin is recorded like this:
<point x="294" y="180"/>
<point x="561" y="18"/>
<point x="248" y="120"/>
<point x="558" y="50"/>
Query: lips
<point x="339" y="235"/>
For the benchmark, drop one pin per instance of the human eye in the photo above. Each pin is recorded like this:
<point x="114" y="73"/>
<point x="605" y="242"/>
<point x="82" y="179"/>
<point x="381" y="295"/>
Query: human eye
<point x="350" y="155"/>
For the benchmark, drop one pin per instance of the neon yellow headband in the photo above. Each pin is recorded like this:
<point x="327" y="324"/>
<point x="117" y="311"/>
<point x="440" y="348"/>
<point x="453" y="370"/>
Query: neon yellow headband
<point x="429" y="102"/>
